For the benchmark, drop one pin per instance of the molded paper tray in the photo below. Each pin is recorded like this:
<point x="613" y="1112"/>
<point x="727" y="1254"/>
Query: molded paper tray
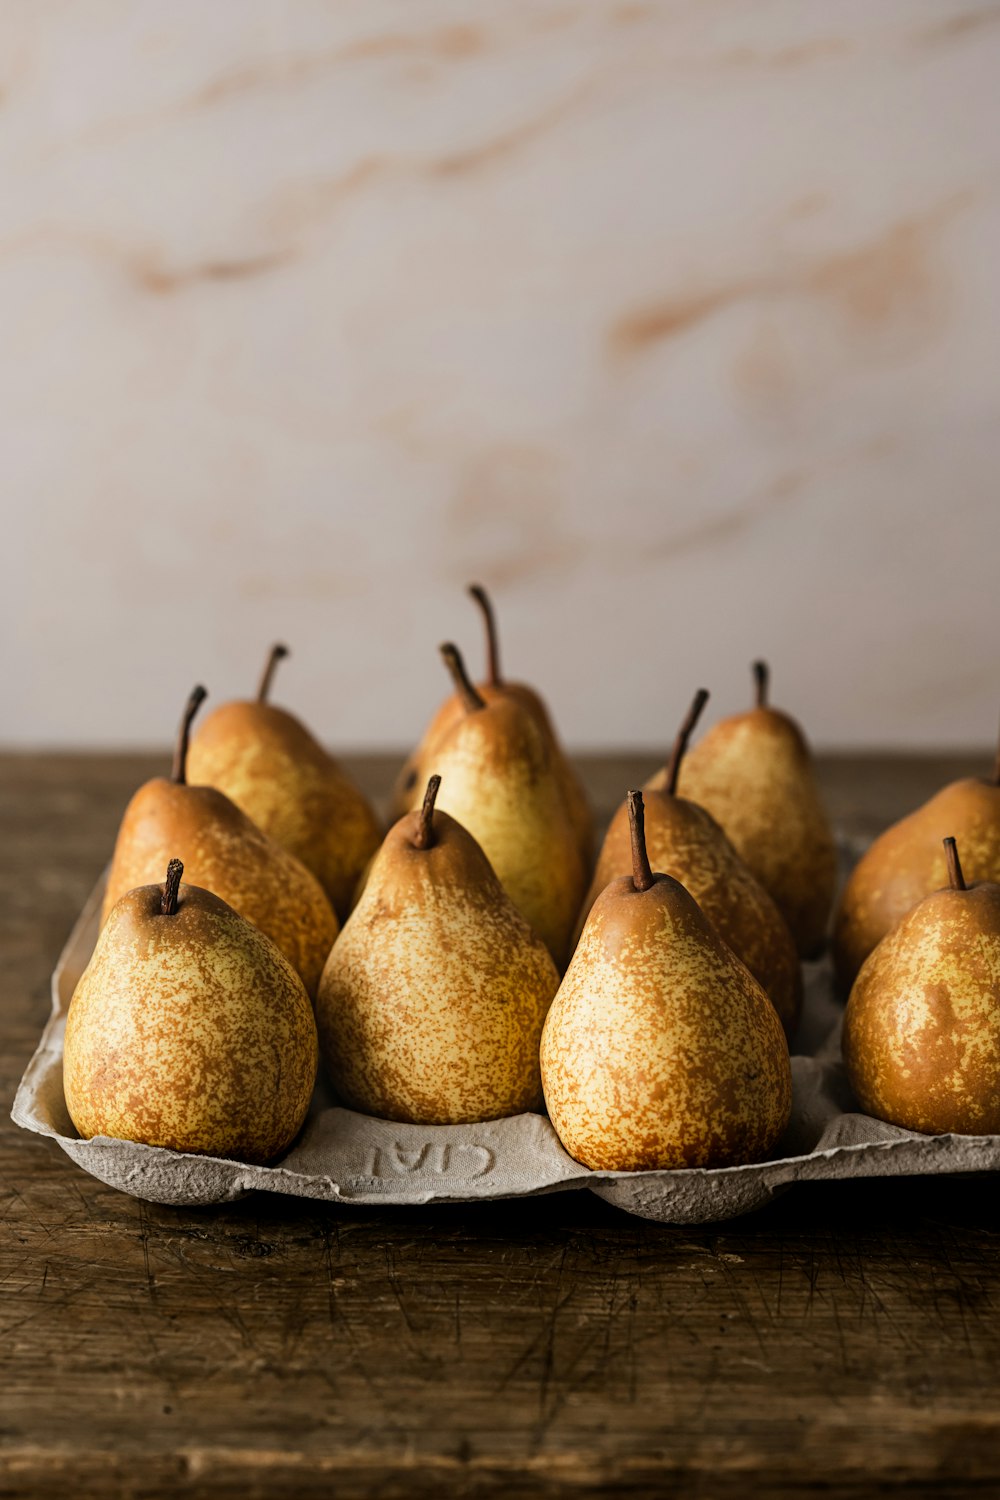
<point x="352" y="1158"/>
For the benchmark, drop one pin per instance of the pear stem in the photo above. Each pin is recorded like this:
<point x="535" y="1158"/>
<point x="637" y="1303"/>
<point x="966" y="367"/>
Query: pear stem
<point x="681" y="742"/>
<point x="762" y="679"/>
<point x="642" y="875"/>
<point x="178" y="771"/>
<point x="955" y="877"/>
<point x="996" y="768"/>
<point x="424" y="836"/>
<point x="482" y="598"/>
<point x="277" y="653"/>
<point x="168" y="901"/>
<point x="460" y="677"/>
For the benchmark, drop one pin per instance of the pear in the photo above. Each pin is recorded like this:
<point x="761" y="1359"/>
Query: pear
<point x="907" y="862"/>
<point x="754" y="773"/>
<point x="684" y="841"/>
<point x="225" y="852"/>
<point x="189" y="1029"/>
<point x="267" y="762"/>
<point x="431" y="1004"/>
<point x="660" y="1049"/>
<point x="921" y="1037"/>
<point x="423" y="760"/>
<point x="501" y="782"/>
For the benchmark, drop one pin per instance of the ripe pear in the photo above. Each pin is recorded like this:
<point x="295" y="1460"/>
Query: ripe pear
<point x="431" y="1004"/>
<point x="225" y="852"/>
<point x="907" y="862"/>
<point x="267" y="762"/>
<point x="754" y="773"/>
<point x="660" y="1049"/>
<point x="684" y="841"/>
<point x="451" y="712"/>
<point x="921" y="1038"/>
<point x="501" y="782"/>
<point x="189" y="1029"/>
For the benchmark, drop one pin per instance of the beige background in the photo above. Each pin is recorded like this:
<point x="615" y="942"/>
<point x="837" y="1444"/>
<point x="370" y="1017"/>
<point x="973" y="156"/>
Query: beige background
<point x="678" y="323"/>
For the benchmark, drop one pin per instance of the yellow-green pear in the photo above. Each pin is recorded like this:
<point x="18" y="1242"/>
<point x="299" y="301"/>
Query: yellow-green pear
<point x="223" y="851"/>
<point x="921" y="1037"/>
<point x="660" y="1049"/>
<point x="189" y="1030"/>
<point x="683" y="840"/>
<point x="431" y="1004"/>
<point x="754" y="773"/>
<point x="267" y="762"/>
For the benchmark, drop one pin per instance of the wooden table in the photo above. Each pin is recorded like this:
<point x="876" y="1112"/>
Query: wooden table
<point x="844" y="1340"/>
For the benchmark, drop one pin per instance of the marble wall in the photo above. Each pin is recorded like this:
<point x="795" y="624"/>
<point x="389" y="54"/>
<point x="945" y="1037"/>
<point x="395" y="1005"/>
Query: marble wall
<point x="676" y="322"/>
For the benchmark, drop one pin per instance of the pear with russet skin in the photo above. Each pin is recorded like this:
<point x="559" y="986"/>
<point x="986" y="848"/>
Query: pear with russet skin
<point x="189" y="1030"/>
<point x="907" y="862"/>
<point x="921" y="1038"/>
<point x="224" y="852"/>
<point x="660" y="1049"/>
<point x="268" y="763"/>
<point x="431" y="1005"/>
<point x="683" y="840"/>
<point x="754" y="773"/>
<point x="495" y="686"/>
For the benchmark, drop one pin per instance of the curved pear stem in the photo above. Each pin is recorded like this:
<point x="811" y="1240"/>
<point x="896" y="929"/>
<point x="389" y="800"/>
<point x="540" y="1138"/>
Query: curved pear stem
<point x="460" y="677"/>
<point x="762" y="679"/>
<point x="642" y="875"/>
<point x="681" y="742"/>
<point x="424" y="836"/>
<point x="178" y="771"/>
<point x="482" y="598"/>
<point x="168" y="901"/>
<point x="277" y="653"/>
<point x="955" y="877"/>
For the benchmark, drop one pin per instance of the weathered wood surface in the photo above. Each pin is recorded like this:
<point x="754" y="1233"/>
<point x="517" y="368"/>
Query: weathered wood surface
<point x="845" y="1340"/>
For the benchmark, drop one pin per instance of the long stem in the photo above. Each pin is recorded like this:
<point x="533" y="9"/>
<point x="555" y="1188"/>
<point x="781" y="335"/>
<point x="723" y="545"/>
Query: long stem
<point x="277" y="653"/>
<point x="681" y="742"/>
<point x="168" y="901"/>
<point x="482" y="598"/>
<point x="955" y="877"/>
<point x="762" y="679"/>
<point x="642" y="875"/>
<point x="178" y="771"/>
<point x="996" y="769"/>
<point x="424" y="836"/>
<point x="460" y="677"/>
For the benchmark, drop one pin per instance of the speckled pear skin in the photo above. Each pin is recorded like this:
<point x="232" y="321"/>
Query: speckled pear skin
<point x="754" y="774"/>
<point x="921" y="1037"/>
<point x="431" y="1005"/>
<point x="223" y="851"/>
<point x="660" y="1049"/>
<point x="907" y="863"/>
<point x="190" y="1031"/>
<point x="684" y="841"/>
<point x="267" y="762"/>
<point x="499" y="781"/>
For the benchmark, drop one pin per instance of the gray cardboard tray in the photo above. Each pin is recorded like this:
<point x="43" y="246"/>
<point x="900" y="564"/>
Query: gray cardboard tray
<point x="345" y="1157"/>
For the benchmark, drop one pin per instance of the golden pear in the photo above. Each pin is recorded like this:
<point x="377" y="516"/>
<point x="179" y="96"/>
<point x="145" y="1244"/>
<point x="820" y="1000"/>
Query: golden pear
<point x="189" y="1030"/>
<point x="683" y="840"/>
<point x="431" y="1004"/>
<point x="267" y="762"/>
<point x="223" y="851"/>
<point x="754" y="773"/>
<point x="921" y="1036"/>
<point x="660" y="1049"/>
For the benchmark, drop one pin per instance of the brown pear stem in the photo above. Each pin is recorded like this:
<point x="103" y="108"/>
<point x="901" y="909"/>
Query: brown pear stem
<point x="681" y="742"/>
<point x="424" y="836"/>
<point x="168" y="901"/>
<point x="482" y="598"/>
<point x="762" y="679"/>
<point x="955" y="877"/>
<point x="996" y="768"/>
<point x="277" y="653"/>
<point x="460" y="677"/>
<point x="178" y="771"/>
<point x="642" y="875"/>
